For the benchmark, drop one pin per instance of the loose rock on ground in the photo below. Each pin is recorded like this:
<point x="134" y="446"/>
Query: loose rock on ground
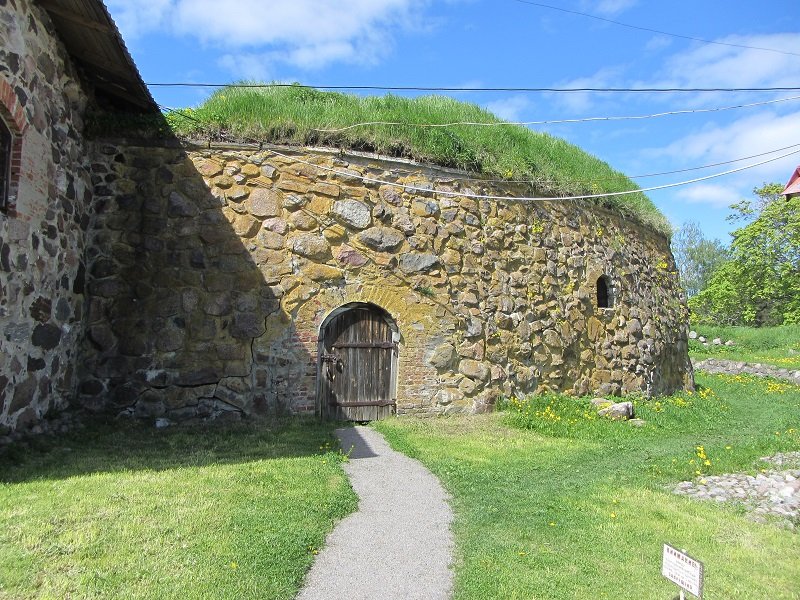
<point x="772" y="493"/>
<point x="720" y="366"/>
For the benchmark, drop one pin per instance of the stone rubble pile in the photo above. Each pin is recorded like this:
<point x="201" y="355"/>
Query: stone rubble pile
<point x="731" y="367"/>
<point x="772" y="493"/>
<point x="693" y="335"/>
<point x="62" y="423"/>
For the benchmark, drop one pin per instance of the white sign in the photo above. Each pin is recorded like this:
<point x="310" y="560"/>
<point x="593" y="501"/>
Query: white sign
<point x="683" y="570"/>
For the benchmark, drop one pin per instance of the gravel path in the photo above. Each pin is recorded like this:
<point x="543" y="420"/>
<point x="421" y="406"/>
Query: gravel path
<point x="398" y="544"/>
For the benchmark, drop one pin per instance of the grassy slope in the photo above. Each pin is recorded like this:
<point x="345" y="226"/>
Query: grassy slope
<point x="234" y="512"/>
<point x="293" y="115"/>
<point x="581" y="510"/>
<point x="779" y="346"/>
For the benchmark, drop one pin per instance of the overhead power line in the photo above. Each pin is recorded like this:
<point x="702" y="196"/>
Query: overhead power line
<point x="526" y="199"/>
<point x="675" y="172"/>
<point x="388" y="88"/>
<point x="621" y="177"/>
<point x="556" y="121"/>
<point x="483" y="179"/>
<point x="685" y="37"/>
<point x="719" y="164"/>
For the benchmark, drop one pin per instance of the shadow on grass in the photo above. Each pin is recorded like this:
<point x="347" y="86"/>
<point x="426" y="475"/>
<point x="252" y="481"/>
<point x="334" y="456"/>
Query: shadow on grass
<point x="109" y="446"/>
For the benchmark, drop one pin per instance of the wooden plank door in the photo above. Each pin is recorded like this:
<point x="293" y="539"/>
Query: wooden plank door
<point x="356" y="367"/>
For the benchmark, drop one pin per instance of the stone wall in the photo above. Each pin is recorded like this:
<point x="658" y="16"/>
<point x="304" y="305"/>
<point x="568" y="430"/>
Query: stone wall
<point x="212" y="271"/>
<point x="42" y="234"/>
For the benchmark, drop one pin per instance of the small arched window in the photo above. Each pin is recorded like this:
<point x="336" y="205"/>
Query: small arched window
<point x="605" y="292"/>
<point x="6" y="140"/>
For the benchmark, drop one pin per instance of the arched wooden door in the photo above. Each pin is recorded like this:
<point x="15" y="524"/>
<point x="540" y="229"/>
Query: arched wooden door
<point x="357" y="365"/>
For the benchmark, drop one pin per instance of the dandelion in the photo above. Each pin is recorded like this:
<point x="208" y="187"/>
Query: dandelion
<point x="727" y="447"/>
<point x="522" y="554"/>
<point x="233" y="565"/>
<point x="613" y="516"/>
<point x="552" y="524"/>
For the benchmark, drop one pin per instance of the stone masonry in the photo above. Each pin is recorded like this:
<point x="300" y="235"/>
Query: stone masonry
<point x="184" y="283"/>
<point x="43" y="232"/>
<point x="211" y="270"/>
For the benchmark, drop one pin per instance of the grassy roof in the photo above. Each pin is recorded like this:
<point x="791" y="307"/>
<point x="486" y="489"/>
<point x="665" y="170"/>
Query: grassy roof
<point x="296" y="115"/>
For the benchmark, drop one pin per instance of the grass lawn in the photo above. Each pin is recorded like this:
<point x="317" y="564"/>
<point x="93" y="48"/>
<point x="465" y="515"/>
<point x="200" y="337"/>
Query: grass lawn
<point x="126" y="512"/>
<point x="575" y="507"/>
<point x="778" y="346"/>
<point x="550" y="501"/>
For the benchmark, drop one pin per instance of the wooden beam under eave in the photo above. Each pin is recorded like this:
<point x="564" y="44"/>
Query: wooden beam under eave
<point x="115" y="81"/>
<point x="106" y="68"/>
<point x="76" y="18"/>
<point x="122" y="92"/>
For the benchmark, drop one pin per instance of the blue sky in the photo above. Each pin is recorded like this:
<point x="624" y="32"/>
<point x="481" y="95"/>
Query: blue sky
<point x="513" y="43"/>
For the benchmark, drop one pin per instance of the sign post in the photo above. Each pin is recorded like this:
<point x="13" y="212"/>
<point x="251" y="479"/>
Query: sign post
<point x="682" y="570"/>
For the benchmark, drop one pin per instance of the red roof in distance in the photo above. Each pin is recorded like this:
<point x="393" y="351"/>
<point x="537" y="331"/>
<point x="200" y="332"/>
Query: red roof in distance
<point x="793" y="187"/>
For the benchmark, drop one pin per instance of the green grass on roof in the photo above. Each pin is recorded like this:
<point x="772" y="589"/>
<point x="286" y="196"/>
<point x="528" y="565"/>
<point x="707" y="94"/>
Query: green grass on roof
<point x="295" y="115"/>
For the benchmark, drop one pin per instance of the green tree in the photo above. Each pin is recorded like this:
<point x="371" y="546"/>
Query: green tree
<point x="759" y="285"/>
<point x="697" y="257"/>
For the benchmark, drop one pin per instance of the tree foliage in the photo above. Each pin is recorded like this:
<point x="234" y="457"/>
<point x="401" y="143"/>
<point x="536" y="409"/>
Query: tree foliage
<point x="697" y="257"/>
<point x="759" y="285"/>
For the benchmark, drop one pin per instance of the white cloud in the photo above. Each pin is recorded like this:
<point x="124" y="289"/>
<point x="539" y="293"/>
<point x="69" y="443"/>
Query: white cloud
<point x="135" y="18"/>
<point x="252" y="67"/>
<point x="304" y="33"/>
<point x="300" y="23"/>
<point x="744" y="137"/>
<point x="580" y="102"/>
<point x="705" y="66"/>
<point x="716" y="195"/>
<point x="658" y="43"/>
<point x="747" y="136"/>
<point x="713" y="65"/>
<point x="613" y="7"/>
<point x="510" y="109"/>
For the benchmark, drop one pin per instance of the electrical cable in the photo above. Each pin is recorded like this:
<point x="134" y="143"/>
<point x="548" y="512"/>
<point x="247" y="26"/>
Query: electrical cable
<point x="522" y="198"/>
<point x="515" y="198"/>
<point x="719" y="164"/>
<point x="556" y="121"/>
<point x="685" y="37"/>
<point x="474" y="89"/>
<point x="700" y="168"/>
